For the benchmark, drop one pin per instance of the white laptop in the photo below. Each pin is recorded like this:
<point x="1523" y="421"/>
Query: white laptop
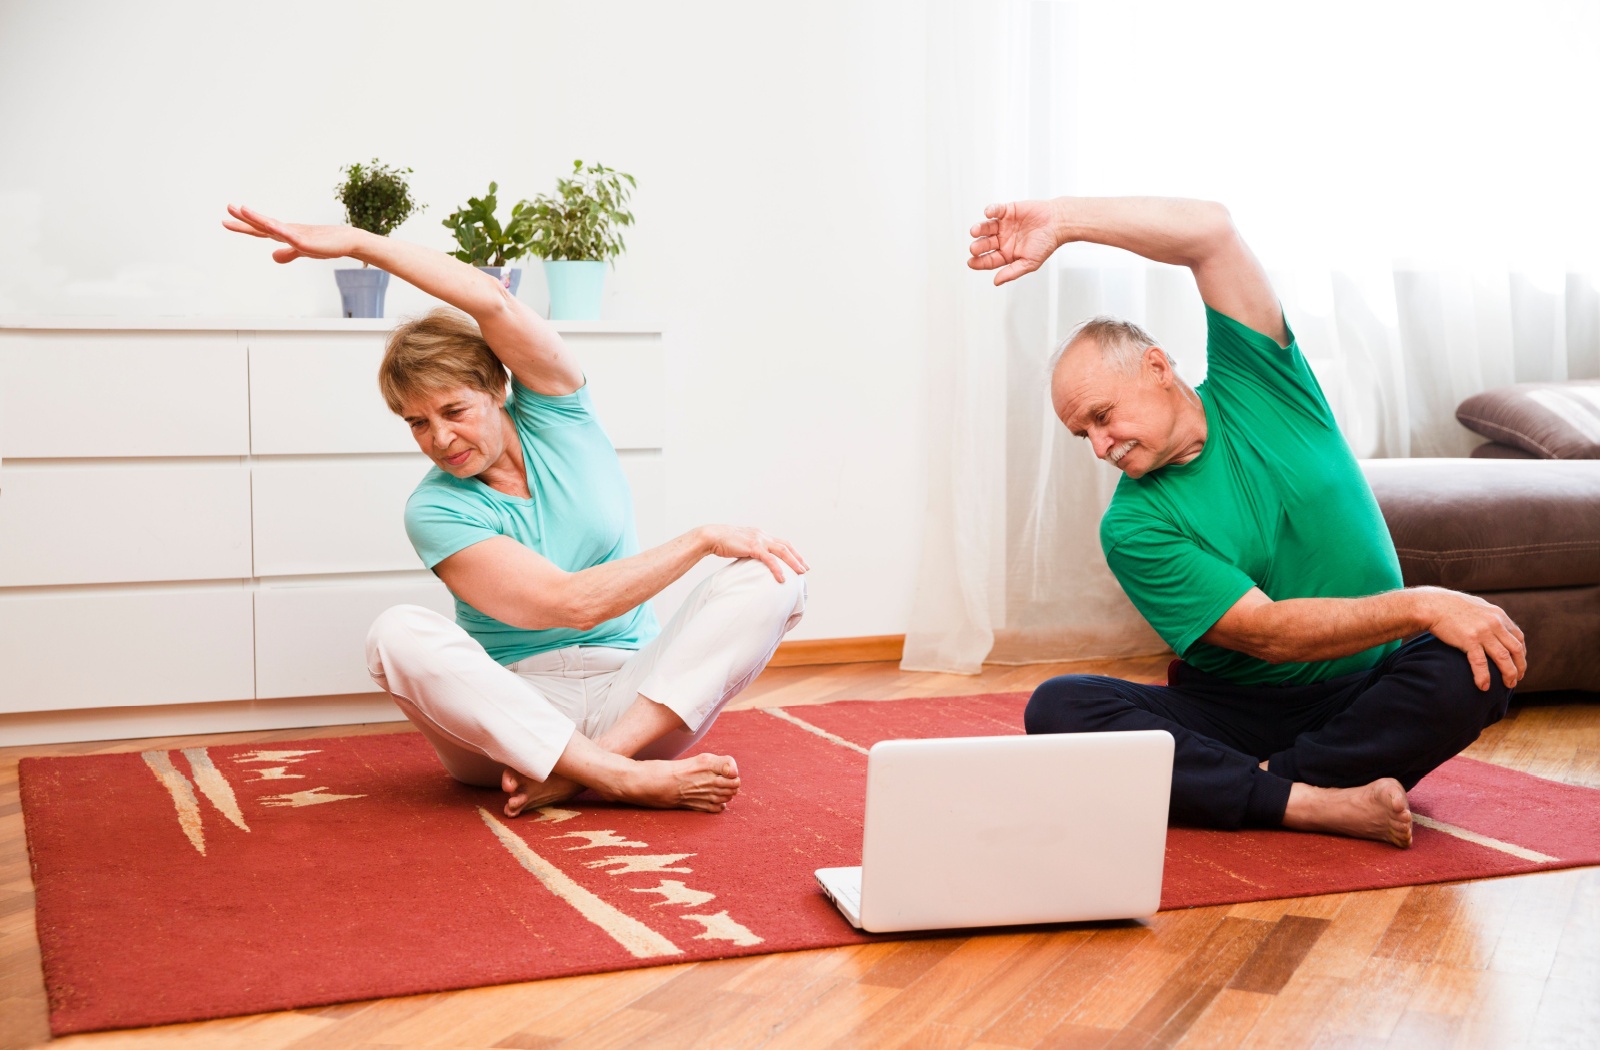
<point x="1000" y="830"/>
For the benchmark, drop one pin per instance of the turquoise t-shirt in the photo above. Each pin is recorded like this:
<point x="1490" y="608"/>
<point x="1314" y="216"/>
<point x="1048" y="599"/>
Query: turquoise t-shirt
<point x="580" y="515"/>
<point x="1275" y="500"/>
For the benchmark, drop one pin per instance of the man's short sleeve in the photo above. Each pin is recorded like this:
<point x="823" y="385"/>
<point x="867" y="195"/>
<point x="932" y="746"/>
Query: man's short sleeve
<point x="439" y="523"/>
<point x="1254" y="366"/>
<point x="1178" y="587"/>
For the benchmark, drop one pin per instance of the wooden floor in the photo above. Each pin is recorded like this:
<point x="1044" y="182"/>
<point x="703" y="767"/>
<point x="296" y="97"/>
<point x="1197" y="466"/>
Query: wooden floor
<point x="1500" y="963"/>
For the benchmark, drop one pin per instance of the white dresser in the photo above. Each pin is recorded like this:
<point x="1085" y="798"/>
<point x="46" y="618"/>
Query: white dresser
<point x="200" y="518"/>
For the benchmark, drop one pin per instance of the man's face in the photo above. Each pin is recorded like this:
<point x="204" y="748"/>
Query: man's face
<point x="1129" y="420"/>
<point x="459" y="428"/>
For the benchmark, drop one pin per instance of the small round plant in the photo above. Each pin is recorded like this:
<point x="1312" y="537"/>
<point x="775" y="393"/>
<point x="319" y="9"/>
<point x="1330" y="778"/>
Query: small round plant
<point x="376" y="197"/>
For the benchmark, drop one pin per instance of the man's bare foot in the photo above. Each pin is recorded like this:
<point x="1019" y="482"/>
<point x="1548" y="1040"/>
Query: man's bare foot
<point x="1377" y="811"/>
<point x="525" y="792"/>
<point x="703" y="782"/>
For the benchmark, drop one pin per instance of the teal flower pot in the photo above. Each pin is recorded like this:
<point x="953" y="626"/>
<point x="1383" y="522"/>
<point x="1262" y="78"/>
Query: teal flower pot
<point x="575" y="289"/>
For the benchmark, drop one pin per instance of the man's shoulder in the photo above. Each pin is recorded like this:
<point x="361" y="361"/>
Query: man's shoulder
<point x="1130" y="512"/>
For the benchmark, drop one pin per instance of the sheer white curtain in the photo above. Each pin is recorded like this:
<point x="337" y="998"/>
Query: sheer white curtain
<point x="1418" y="178"/>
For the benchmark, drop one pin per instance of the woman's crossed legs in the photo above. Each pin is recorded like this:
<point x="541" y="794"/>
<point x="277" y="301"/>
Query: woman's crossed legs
<point x="551" y="725"/>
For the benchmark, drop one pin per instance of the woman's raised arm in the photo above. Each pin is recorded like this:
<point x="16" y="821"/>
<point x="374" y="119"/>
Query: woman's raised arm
<point x="524" y="341"/>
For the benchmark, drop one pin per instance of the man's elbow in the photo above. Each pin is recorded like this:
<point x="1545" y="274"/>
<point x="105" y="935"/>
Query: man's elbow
<point x="1257" y="642"/>
<point x="1214" y="232"/>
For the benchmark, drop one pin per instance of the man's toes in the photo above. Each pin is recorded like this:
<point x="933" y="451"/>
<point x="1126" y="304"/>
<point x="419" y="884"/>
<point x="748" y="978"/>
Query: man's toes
<point x="509" y="782"/>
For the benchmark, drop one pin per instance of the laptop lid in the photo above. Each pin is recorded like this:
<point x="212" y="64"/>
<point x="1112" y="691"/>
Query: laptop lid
<point x="990" y="831"/>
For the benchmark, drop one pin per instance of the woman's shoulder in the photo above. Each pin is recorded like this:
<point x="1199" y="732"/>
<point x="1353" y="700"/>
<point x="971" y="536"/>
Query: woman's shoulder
<point x="535" y="411"/>
<point x="436" y="489"/>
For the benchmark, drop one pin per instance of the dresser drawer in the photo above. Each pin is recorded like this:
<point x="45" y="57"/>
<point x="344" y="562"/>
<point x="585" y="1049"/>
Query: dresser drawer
<point x="123" y="524"/>
<point x="311" y="640"/>
<point x="79" y="394"/>
<point x="178" y="646"/>
<point x="343" y="515"/>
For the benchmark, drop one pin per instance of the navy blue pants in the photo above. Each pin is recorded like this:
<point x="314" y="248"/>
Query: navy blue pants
<point x="1402" y="719"/>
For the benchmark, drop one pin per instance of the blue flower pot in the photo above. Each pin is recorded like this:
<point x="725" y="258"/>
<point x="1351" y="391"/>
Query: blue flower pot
<point x="575" y="289"/>
<point x="499" y="273"/>
<point x="362" y="290"/>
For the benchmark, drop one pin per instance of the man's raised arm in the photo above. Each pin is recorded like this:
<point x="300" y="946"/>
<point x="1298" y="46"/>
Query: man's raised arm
<point x="1017" y="238"/>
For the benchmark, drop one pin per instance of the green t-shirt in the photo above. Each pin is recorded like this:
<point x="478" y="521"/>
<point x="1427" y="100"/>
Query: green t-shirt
<point x="1275" y="500"/>
<point x="580" y="515"/>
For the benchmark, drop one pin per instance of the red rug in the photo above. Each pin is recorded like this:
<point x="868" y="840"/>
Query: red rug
<point x="183" y="885"/>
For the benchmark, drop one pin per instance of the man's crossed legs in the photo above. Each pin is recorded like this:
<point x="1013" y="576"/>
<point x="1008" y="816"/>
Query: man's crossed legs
<point x="1336" y="756"/>
<point x="611" y="719"/>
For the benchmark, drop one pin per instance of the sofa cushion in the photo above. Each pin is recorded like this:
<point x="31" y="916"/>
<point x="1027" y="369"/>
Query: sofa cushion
<point x="1491" y="524"/>
<point x="1549" y="420"/>
<point x="1495" y="450"/>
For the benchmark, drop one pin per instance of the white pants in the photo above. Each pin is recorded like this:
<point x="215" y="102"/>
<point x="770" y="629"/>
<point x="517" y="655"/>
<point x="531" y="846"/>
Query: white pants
<point x="482" y="717"/>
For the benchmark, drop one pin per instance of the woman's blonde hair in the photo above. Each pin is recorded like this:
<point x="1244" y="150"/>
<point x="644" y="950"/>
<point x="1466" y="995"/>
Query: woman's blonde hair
<point x="438" y="351"/>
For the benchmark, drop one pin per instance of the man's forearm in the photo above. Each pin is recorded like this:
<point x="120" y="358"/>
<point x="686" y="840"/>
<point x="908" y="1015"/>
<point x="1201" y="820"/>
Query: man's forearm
<point x="1163" y="229"/>
<point x="1308" y="630"/>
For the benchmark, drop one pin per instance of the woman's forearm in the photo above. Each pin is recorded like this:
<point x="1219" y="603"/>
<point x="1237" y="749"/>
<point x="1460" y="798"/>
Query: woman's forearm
<point x="592" y="596"/>
<point x="441" y="276"/>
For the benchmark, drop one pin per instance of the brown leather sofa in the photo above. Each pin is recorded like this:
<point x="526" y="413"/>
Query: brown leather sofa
<point x="1523" y="534"/>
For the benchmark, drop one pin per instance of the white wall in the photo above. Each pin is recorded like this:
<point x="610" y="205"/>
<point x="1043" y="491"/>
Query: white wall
<point x="779" y="153"/>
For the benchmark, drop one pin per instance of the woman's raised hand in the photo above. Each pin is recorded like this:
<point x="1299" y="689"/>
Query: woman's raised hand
<point x="736" y="541"/>
<point x="1014" y="238"/>
<point x="299" y="240"/>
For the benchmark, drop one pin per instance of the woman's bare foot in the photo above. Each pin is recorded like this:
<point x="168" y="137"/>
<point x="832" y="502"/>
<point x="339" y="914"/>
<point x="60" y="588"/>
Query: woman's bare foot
<point x="703" y="782"/>
<point x="525" y="792"/>
<point x="1377" y="811"/>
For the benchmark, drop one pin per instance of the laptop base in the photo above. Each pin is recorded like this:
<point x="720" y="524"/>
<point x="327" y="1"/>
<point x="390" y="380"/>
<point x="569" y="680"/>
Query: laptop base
<point x="843" y="887"/>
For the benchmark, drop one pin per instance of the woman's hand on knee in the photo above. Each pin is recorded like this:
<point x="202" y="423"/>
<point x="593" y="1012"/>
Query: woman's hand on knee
<point x="739" y="541"/>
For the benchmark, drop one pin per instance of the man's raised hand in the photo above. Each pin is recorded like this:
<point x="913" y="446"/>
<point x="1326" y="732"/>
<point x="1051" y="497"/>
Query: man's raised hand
<point x="1481" y="630"/>
<point x="735" y="541"/>
<point x="299" y="240"/>
<point x="1013" y="239"/>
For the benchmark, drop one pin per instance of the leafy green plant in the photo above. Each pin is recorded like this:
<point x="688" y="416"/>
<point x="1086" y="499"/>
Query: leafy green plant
<point x="582" y="222"/>
<point x="483" y="240"/>
<point x="376" y="197"/>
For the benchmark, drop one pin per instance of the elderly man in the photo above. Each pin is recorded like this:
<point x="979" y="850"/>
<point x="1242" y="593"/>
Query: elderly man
<point x="1314" y="689"/>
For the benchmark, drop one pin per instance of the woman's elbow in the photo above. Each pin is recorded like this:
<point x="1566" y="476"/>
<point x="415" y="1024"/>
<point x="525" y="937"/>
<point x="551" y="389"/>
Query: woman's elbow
<point x="578" y="614"/>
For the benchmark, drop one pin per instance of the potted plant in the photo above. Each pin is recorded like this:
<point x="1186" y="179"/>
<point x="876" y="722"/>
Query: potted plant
<point x="376" y="198"/>
<point x="488" y="245"/>
<point x="576" y="233"/>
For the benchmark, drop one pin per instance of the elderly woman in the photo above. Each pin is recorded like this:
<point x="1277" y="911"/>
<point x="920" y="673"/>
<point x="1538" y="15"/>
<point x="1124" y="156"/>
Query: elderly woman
<point x="554" y="676"/>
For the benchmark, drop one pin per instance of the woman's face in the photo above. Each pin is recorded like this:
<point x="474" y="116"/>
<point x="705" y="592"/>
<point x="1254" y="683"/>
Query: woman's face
<point x="460" y="429"/>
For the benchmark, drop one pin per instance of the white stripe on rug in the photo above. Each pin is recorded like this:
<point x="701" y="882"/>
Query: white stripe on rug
<point x="1482" y="840"/>
<point x="640" y="940"/>
<point x="778" y="712"/>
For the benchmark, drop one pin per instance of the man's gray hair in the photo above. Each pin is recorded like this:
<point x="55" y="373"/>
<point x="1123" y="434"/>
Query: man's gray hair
<point x="1122" y="343"/>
